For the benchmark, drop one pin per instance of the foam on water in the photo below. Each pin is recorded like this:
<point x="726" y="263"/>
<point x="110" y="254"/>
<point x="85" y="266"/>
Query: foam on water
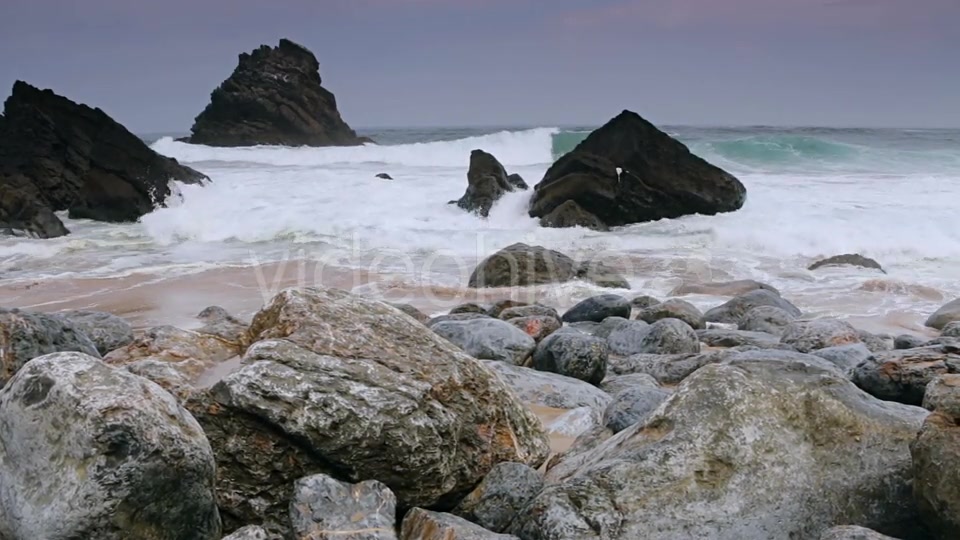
<point x="888" y="196"/>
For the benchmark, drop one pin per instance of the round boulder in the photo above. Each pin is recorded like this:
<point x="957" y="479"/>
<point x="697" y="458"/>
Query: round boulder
<point x="488" y="339"/>
<point x="674" y="309"/>
<point x="670" y="336"/>
<point x="598" y="308"/>
<point x="573" y="354"/>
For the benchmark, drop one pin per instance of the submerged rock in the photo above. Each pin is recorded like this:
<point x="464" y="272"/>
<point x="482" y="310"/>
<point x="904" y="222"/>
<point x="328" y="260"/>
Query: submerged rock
<point x="341" y="385"/>
<point x="520" y="265"/>
<point x="94" y="452"/>
<point x="849" y="259"/>
<point x="488" y="339"/>
<point x="728" y="457"/>
<point x="323" y="508"/>
<point x="628" y="171"/>
<point x="722" y="288"/>
<point x="78" y="159"/>
<point x="487" y="181"/>
<point x="570" y="214"/>
<point x="25" y="335"/>
<point x="273" y="97"/>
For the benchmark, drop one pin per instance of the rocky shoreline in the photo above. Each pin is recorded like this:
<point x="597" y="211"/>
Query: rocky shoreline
<point x="331" y="414"/>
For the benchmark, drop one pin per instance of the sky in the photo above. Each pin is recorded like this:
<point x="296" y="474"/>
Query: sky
<point x="404" y="63"/>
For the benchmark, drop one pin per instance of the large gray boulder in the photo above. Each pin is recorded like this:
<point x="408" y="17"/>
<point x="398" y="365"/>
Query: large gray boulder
<point x="733" y="310"/>
<point x="501" y="496"/>
<point x="88" y="451"/>
<point x="752" y="450"/>
<point x="667" y="368"/>
<point x="573" y="354"/>
<point x="670" y="336"/>
<point x="808" y="336"/>
<point x="903" y="375"/>
<point x="521" y="265"/>
<point x="420" y="524"/>
<point x="550" y="389"/>
<point x="107" y="331"/>
<point x="769" y="319"/>
<point x="355" y="389"/>
<point x="323" y="508"/>
<point x="25" y="335"/>
<point x="488" y="339"/>
<point x="947" y="314"/>
<point x="674" y="309"/>
<point x="624" y="337"/>
<point x="936" y="455"/>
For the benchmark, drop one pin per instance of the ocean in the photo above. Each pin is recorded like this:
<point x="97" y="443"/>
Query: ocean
<point x="275" y="216"/>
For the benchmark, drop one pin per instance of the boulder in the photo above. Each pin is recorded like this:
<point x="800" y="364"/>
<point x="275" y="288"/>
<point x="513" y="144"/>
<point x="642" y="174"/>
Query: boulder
<point x="631" y="406"/>
<point x="875" y="342"/>
<point x="487" y="181"/>
<point x="667" y="368"/>
<point x="273" y="97"/>
<point x="23" y="210"/>
<point x="517" y="182"/>
<point x="903" y="375"/>
<point x="721" y="288"/>
<point x="78" y="159"/>
<point x="784" y="358"/>
<point x="753" y="450"/>
<point x="942" y="393"/>
<point x="907" y="341"/>
<point x="936" y="452"/>
<point x="628" y="171"/>
<point x="570" y="214"/>
<point x="718" y="337"/>
<point x="25" y="335"/>
<point x="520" y="265"/>
<point x="769" y="319"/>
<point x="574" y="355"/>
<point x="502" y="494"/>
<point x="488" y="339"/>
<point x="537" y="327"/>
<point x="108" y="332"/>
<point x="533" y="310"/>
<point x="219" y="323"/>
<point x="948" y="313"/>
<point x="951" y="329"/>
<point x="178" y="360"/>
<point x="670" y="336"/>
<point x="674" y="309"/>
<point x="625" y="338"/>
<point x="614" y="384"/>
<point x="550" y="389"/>
<point x="413" y="312"/>
<point x="808" y="336"/>
<point x="345" y="386"/>
<point x="323" y="508"/>
<point x="250" y="532"/>
<point x="89" y="451"/>
<point x="853" y="532"/>
<point x="598" y="308"/>
<point x="469" y="307"/>
<point x="732" y="311"/>
<point x="845" y="357"/>
<point x="420" y="524"/>
<point x="644" y="301"/>
<point x="849" y="259"/>
<point x="500" y="306"/>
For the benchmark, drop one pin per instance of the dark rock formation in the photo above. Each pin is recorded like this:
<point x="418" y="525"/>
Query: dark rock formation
<point x="487" y="181"/>
<point x="501" y="496"/>
<point x="273" y="97"/>
<point x="598" y="308"/>
<point x="571" y="214"/>
<point x="384" y="176"/>
<point x="628" y="171"/>
<point x="59" y="155"/>
<point x="849" y="259"/>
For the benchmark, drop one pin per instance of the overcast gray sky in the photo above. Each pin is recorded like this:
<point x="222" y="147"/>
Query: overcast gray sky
<point x="152" y="64"/>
